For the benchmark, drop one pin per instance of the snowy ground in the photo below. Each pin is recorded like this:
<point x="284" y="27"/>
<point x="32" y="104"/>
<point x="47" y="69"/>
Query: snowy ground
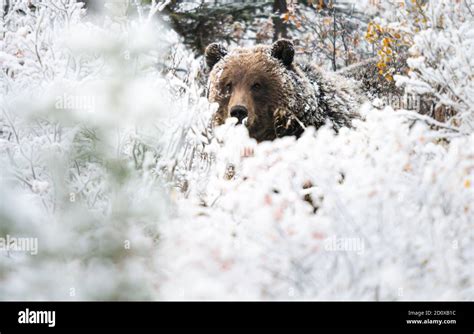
<point x="105" y="164"/>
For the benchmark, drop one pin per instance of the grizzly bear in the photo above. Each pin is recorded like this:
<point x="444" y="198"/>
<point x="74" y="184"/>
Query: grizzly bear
<point x="273" y="96"/>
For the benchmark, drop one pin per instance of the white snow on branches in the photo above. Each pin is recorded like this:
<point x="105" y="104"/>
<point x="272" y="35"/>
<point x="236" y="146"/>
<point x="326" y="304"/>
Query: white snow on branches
<point x="441" y="60"/>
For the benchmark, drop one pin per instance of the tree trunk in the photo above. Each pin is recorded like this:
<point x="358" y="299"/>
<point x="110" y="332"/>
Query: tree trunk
<point x="334" y="36"/>
<point x="280" y="28"/>
<point x="5" y="7"/>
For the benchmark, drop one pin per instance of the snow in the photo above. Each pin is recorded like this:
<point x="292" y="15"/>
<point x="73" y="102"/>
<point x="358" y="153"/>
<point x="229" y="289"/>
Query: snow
<point x="137" y="199"/>
<point x="440" y="62"/>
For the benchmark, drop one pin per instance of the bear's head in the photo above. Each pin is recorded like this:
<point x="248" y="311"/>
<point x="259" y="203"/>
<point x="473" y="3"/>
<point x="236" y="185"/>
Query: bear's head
<point x="251" y="84"/>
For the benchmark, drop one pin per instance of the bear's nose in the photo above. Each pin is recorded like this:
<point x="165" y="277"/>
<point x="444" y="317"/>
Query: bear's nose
<point x="239" y="112"/>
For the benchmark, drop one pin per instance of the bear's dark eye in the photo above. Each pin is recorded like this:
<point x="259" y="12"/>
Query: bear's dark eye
<point x="256" y="87"/>
<point x="228" y="88"/>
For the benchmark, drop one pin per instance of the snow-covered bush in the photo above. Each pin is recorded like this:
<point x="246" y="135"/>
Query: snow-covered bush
<point x="388" y="217"/>
<point x="440" y="60"/>
<point x="425" y="46"/>
<point x="83" y="110"/>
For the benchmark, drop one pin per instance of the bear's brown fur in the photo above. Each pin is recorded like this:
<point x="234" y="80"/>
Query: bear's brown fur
<point x="273" y="96"/>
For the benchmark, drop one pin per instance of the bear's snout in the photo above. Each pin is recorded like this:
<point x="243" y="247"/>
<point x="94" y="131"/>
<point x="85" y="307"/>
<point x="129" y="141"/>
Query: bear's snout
<point x="239" y="112"/>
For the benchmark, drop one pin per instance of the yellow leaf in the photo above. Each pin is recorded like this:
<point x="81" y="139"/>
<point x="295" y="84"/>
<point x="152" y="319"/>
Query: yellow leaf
<point x="467" y="183"/>
<point x="327" y="20"/>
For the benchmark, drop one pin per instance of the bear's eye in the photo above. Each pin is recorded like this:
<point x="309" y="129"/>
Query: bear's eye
<point x="256" y="87"/>
<point x="228" y="88"/>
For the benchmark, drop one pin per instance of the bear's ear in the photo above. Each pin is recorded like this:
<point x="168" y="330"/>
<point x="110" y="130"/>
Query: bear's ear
<point x="214" y="52"/>
<point x="283" y="50"/>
